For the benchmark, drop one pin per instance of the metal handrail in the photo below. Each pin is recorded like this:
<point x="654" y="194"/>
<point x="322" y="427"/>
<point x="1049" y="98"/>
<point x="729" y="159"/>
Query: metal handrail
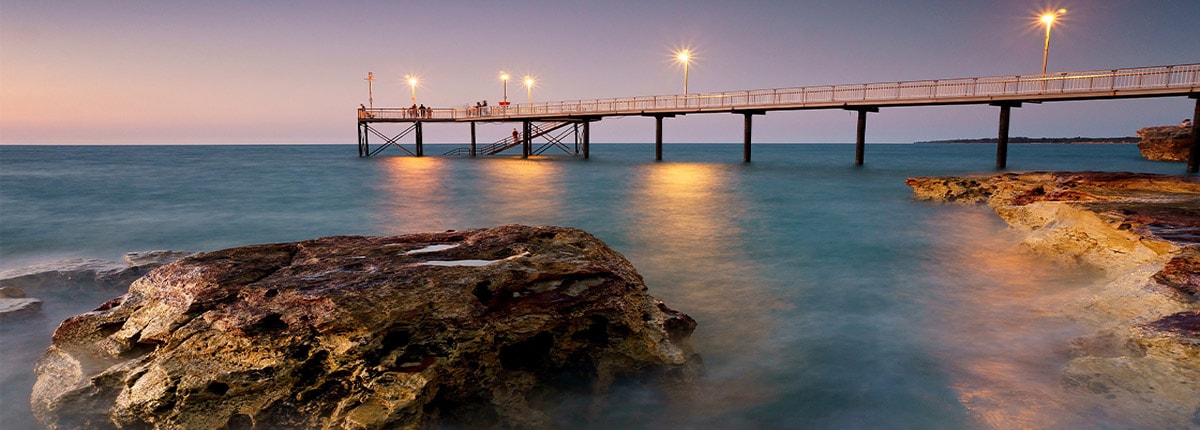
<point x="1182" y="76"/>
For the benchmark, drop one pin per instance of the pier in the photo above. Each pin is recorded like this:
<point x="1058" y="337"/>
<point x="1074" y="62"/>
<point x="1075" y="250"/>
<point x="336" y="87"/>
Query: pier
<point x="554" y="122"/>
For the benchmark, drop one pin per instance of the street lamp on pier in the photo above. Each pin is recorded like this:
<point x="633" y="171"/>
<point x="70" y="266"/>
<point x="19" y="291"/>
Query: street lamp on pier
<point x="370" y="89"/>
<point x="684" y="56"/>
<point x="528" y="88"/>
<point x="412" y="84"/>
<point x="1048" y="19"/>
<point x="504" y="77"/>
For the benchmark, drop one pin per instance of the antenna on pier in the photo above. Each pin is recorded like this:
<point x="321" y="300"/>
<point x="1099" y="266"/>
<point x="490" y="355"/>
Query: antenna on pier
<point x="370" y="89"/>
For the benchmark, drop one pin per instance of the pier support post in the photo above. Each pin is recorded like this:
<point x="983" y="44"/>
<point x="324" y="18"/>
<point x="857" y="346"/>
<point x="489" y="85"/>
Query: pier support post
<point x="747" y="123"/>
<point x="525" y="140"/>
<point x="658" y="137"/>
<point x="360" y="139"/>
<point x="1002" y="135"/>
<point x="366" y="140"/>
<point x="587" y="138"/>
<point x="420" y="141"/>
<point x="1194" y="157"/>
<point x="658" y="117"/>
<point x="472" y="138"/>
<point x="860" y="140"/>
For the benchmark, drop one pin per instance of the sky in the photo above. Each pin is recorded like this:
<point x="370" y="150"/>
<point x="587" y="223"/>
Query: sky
<point x="184" y="72"/>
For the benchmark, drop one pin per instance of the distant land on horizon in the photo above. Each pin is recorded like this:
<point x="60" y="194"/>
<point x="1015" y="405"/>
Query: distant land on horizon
<point x="1079" y="140"/>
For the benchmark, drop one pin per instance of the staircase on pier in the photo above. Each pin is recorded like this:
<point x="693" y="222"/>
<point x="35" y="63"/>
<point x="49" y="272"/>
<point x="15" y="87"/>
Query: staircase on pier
<point x="553" y="132"/>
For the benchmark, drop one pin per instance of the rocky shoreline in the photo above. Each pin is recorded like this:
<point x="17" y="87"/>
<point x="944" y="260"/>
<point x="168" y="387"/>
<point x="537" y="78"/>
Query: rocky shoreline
<point x="1143" y="231"/>
<point x="488" y="328"/>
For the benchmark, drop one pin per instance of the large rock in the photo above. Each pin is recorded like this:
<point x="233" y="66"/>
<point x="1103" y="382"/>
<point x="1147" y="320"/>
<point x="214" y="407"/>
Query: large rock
<point x="1165" y="143"/>
<point x="1143" y="230"/>
<point x="478" y="328"/>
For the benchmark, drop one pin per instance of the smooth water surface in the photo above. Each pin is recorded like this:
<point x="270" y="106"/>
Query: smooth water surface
<point x="826" y="297"/>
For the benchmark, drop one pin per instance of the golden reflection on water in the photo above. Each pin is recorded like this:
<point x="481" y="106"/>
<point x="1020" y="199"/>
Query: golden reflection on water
<point x="692" y="253"/>
<point x="419" y="199"/>
<point x="993" y="315"/>
<point x="523" y="191"/>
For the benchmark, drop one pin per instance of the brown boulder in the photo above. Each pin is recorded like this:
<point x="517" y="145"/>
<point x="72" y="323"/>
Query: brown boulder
<point x="474" y="328"/>
<point x="1165" y="143"/>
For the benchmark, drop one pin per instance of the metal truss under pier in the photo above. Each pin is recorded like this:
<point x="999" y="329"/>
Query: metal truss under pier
<point x="555" y="135"/>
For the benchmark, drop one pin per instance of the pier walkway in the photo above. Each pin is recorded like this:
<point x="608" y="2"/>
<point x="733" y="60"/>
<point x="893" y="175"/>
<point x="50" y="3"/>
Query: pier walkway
<point x="1005" y="92"/>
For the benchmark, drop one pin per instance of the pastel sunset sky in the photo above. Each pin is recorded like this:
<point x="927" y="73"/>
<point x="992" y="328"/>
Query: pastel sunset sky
<point x="167" y="72"/>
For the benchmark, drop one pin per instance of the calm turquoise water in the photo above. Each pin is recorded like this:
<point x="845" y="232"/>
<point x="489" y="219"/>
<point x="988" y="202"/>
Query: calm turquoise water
<point x="826" y="297"/>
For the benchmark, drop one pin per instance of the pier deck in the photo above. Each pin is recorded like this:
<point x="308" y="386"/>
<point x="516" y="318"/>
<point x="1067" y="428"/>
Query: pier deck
<point x="1005" y="92"/>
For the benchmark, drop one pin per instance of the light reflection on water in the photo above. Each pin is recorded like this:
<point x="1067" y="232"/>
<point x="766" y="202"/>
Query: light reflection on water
<point x="996" y="324"/>
<point x="522" y="191"/>
<point x="686" y="218"/>
<point x="418" y="195"/>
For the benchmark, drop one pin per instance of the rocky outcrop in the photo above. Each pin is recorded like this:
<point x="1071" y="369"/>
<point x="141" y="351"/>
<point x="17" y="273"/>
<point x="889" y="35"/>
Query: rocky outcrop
<point x="1165" y="143"/>
<point x="472" y="329"/>
<point x="1143" y="230"/>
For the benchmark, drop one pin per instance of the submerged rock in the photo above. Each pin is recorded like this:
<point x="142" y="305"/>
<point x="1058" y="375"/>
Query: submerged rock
<point x="1165" y="143"/>
<point x="365" y="332"/>
<point x="13" y="303"/>
<point x="65" y="279"/>
<point x="1143" y="230"/>
<point x="81" y="273"/>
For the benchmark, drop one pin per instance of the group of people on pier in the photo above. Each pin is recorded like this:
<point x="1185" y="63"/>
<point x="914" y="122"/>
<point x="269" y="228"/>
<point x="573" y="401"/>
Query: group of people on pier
<point x="480" y="108"/>
<point x="420" y="111"/>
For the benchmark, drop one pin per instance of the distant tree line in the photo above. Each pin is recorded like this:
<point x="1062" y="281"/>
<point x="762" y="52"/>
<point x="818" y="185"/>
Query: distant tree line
<point x="1021" y="139"/>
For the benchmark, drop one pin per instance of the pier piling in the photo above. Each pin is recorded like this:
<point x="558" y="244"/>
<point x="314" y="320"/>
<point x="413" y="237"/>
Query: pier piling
<point x="860" y="139"/>
<point x="747" y="123"/>
<point x="1002" y="135"/>
<point x="420" y="141"/>
<point x="1194" y="156"/>
<point x="587" y="137"/>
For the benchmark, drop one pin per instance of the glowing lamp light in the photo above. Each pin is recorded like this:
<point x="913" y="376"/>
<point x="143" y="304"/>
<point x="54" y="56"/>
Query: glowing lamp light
<point x="684" y="56"/>
<point x="413" y="80"/>
<point x="528" y="81"/>
<point x="1048" y="19"/>
<point x="504" y="77"/>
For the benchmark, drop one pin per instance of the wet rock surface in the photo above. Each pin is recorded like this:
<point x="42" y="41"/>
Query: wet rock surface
<point x="472" y="329"/>
<point x="1143" y="231"/>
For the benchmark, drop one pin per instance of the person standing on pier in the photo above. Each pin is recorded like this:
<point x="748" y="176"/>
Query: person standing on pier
<point x="516" y="136"/>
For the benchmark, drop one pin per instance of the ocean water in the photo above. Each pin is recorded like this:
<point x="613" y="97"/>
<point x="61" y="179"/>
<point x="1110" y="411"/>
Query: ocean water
<point x="826" y="297"/>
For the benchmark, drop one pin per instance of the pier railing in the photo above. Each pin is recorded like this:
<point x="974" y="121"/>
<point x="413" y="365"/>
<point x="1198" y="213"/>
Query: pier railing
<point x="1163" y="80"/>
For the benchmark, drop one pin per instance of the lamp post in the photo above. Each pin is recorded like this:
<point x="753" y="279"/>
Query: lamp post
<point x="412" y="84"/>
<point x="528" y="88"/>
<point x="504" y="77"/>
<point x="370" y="89"/>
<point x="684" y="56"/>
<point x="1048" y="19"/>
